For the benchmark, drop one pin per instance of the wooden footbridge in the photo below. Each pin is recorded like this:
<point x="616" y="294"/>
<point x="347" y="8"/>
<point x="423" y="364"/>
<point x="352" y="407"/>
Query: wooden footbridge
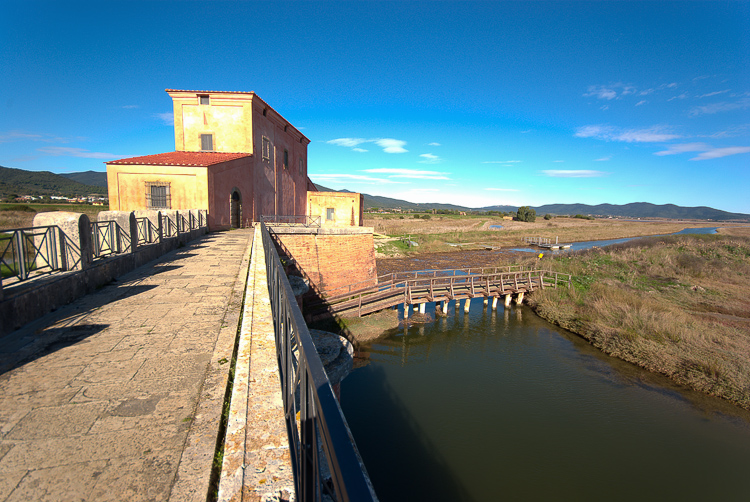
<point x="419" y="288"/>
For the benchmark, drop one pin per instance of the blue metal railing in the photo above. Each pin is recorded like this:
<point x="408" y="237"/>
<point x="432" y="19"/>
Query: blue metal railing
<point x="23" y="250"/>
<point x="307" y="391"/>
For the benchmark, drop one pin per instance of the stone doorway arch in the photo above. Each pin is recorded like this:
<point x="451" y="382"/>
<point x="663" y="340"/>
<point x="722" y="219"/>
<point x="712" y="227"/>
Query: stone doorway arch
<point x="235" y="209"/>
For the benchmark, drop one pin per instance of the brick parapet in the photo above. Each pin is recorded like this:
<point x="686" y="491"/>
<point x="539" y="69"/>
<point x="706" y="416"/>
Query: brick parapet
<point x="330" y="258"/>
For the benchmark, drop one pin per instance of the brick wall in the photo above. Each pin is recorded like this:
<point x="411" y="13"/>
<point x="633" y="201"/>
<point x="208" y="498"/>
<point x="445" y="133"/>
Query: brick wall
<point x="332" y="260"/>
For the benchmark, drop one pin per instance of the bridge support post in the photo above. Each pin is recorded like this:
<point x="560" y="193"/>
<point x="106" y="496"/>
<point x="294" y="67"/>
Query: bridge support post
<point x="494" y="303"/>
<point x="422" y="308"/>
<point x="519" y="298"/>
<point x="406" y="310"/>
<point x="486" y="300"/>
<point x="507" y="300"/>
<point x="467" y="302"/>
<point x="445" y="307"/>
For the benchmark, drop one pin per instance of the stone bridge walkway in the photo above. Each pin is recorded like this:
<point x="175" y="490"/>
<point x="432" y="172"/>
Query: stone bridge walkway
<point x="118" y="396"/>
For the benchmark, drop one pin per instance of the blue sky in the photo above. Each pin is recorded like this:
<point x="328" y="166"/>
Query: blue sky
<point x="472" y="103"/>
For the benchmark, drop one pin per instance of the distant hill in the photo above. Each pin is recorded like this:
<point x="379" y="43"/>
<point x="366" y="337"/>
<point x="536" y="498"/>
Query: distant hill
<point x="94" y="178"/>
<point x="388" y="203"/>
<point x="21" y="182"/>
<point x="633" y="210"/>
<point x="643" y="210"/>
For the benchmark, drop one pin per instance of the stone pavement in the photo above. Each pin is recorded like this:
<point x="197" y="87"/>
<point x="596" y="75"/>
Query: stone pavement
<point x="118" y="396"/>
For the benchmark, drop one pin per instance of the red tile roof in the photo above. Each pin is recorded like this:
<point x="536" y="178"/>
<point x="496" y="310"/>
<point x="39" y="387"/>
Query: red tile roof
<point x="199" y="159"/>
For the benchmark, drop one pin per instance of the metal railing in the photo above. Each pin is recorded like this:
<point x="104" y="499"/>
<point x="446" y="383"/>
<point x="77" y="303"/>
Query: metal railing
<point x="183" y="224"/>
<point x="438" y="288"/>
<point x="307" y="391"/>
<point x="169" y="226"/>
<point x="147" y="232"/>
<point x="396" y="277"/>
<point x="27" y="250"/>
<point x="108" y="238"/>
<point x="291" y="220"/>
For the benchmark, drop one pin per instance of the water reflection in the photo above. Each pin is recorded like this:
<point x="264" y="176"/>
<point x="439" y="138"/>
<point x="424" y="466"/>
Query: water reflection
<point x="500" y="404"/>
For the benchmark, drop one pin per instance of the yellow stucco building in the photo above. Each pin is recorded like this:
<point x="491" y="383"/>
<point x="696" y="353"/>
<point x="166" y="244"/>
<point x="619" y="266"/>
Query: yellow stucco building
<point x="336" y="209"/>
<point x="234" y="156"/>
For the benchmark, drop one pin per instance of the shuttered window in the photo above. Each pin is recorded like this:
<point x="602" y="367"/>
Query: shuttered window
<point x="207" y="142"/>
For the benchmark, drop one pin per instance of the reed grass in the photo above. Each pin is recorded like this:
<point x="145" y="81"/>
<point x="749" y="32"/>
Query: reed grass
<point x="677" y="305"/>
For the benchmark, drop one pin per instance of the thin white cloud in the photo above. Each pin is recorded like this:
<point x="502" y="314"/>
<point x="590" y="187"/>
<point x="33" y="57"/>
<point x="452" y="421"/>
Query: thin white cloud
<point x="502" y="189"/>
<point x="601" y="92"/>
<point x="603" y="159"/>
<point x="730" y="132"/>
<point x="559" y="173"/>
<point x="11" y="136"/>
<point x="641" y="102"/>
<point x="167" y="117"/>
<point x="350" y="142"/>
<point x="684" y="95"/>
<point x="526" y="131"/>
<point x="130" y="107"/>
<point x="722" y="152"/>
<point x="501" y="162"/>
<point x="609" y="92"/>
<point x="610" y="133"/>
<point x="429" y="158"/>
<point x="558" y="161"/>
<point x="61" y="151"/>
<point x="724" y="106"/>
<point x="389" y="145"/>
<point x="707" y="151"/>
<point x="716" y="93"/>
<point x="433" y="144"/>
<point x="684" y="147"/>
<point x="361" y="150"/>
<point x="409" y="173"/>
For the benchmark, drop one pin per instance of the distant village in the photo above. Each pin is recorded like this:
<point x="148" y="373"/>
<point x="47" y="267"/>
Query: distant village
<point x="95" y="199"/>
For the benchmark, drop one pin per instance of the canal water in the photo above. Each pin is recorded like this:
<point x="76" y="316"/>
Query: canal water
<point x="579" y="246"/>
<point x="504" y="406"/>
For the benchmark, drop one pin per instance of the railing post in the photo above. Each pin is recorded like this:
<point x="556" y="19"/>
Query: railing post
<point x="20" y="255"/>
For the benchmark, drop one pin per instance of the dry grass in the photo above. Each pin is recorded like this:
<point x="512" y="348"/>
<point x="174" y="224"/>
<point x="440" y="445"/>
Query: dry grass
<point x="679" y="306"/>
<point x="11" y="218"/>
<point x="471" y="232"/>
<point x="739" y="231"/>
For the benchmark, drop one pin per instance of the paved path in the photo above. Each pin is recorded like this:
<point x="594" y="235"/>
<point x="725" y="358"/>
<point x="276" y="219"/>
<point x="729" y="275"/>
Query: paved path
<point x="118" y="395"/>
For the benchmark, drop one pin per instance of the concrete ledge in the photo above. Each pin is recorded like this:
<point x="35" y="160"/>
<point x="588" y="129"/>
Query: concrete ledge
<point x="292" y="230"/>
<point x="256" y="464"/>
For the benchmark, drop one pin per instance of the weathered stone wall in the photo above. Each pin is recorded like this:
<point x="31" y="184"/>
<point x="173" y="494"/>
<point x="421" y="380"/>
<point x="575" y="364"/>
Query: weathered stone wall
<point x="330" y="257"/>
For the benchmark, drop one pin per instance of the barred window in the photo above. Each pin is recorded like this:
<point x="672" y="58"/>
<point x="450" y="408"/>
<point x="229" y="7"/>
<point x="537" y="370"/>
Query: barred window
<point x="329" y="213"/>
<point x="286" y="159"/>
<point x="158" y="195"/>
<point x="204" y="99"/>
